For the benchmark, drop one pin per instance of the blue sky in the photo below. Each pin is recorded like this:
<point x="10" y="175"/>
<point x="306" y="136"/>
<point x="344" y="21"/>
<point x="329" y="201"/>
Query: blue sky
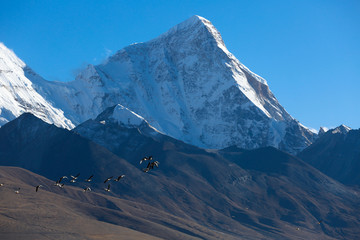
<point x="308" y="51"/>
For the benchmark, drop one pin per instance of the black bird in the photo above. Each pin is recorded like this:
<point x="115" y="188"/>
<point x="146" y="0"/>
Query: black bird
<point x="108" y="188"/>
<point x="146" y="169"/>
<point x="60" y="179"/>
<point x="74" y="177"/>
<point x="320" y="221"/>
<point x="152" y="164"/>
<point x="156" y="163"/>
<point x="146" y="159"/>
<point x="108" y="179"/>
<point x="149" y="165"/>
<point x="58" y="182"/>
<point x="143" y="159"/>
<point x="87" y="189"/>
<point x="119" y="177"/>
<point x="60" y="185"/>
<point x="90" y="178"/>
<point x="37" y="187"/>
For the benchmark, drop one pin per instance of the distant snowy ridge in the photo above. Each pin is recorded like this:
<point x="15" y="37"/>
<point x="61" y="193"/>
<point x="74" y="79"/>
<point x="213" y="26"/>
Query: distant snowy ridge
<point x="343" y="129"/>
<point x="17" y="94"/>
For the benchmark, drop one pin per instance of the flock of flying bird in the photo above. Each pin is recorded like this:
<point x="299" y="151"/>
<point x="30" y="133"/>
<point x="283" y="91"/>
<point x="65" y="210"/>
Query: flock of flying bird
<point x="60" y="184"/>
<point x="149" y="167"/>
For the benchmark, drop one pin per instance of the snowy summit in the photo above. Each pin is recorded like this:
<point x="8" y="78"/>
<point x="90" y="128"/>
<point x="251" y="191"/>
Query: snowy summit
<point x="187" y="85"/>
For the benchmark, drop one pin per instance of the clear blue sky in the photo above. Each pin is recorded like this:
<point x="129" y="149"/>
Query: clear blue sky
<point x="308" y="51"/>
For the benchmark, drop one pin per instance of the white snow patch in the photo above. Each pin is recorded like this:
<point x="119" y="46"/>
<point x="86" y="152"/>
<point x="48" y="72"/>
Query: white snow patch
<point x="324" y="129"/>
<point x="127" y="117"/>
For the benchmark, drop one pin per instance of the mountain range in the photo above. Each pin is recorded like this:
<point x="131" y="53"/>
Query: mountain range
<point x="238" y="193"/>
<point x="185" y="83"/>
<point x="232" y="163"/>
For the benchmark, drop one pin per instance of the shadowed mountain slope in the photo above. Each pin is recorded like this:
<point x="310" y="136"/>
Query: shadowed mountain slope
<point x="257" y="194"/>
<point x="337" y="154"/>
<point x="69" y="213"/>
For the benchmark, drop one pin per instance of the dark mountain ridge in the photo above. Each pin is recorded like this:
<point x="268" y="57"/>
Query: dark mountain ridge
<point x="263" y="193"/>
<point x="337" y="154"/>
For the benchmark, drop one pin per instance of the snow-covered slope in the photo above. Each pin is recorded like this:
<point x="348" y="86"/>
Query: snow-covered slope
<point x="17" y="94"/>
<point x="187" y="85"/>
<point x="117" y="127"/>
<point x="124" y="117"/>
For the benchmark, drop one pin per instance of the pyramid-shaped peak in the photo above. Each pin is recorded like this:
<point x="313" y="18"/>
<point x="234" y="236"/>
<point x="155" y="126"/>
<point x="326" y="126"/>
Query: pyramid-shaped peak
<point x="194" y="20"/>
<point x="194" y="27"/>
<point x="322" y="130"/>
<point x="121" y="115"/>
<point x="343" y="129"/>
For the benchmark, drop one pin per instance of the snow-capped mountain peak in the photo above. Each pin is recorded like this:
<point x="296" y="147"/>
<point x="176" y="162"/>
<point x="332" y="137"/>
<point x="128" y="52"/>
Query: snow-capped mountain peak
<point x="122" y="116"/>
<point x="196" y="27"/>
<point x="186" y="84"/>
<point x="125" y="116"/>
<point x="323" y="130"/>
<point x="343" y="129"/>
<point x="18" y="95"/>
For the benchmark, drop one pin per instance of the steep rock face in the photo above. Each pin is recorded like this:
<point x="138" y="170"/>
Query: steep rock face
<point x="17" y="93"/>
<point x="187" y="85"/>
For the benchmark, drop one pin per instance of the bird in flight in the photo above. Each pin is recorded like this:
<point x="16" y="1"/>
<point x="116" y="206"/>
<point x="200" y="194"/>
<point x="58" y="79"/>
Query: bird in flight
<point x="146" y="159"/>
<point x="58" y="182"/>
<point x="89" y="179"/>
<point x="37" y="187"/>
<point x="73" y="178"/>
<point x="108" y="188"/>
<point x="108" y="179"/>
<point x="119" y="177"/>
<point x="17" y="191"/>
<point x="87" y="189"/>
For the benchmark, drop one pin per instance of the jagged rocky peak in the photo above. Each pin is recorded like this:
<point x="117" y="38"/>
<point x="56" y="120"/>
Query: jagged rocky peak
<point x="342" y="129"/>
<point x="18" y="95"/>
<point x="322" y="130"/>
